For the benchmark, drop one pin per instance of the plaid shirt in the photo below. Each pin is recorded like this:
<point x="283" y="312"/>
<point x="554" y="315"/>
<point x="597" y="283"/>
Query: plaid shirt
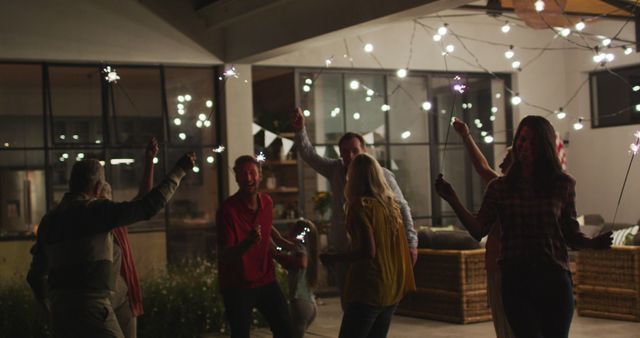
<point x="534" y="228"/>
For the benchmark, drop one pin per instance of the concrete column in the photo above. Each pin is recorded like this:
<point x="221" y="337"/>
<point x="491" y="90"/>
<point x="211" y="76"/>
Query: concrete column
<point x="239" y="119"/>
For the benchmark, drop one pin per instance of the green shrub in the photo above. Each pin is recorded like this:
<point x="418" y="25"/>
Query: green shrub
<point x="20" y="316"/>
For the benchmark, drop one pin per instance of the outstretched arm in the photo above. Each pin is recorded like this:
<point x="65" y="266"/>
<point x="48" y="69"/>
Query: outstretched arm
<point x="320" y="164"/>
<point x="474" y="224"/>
<point x="480" y="163"/>
<point x="147" y="176"/>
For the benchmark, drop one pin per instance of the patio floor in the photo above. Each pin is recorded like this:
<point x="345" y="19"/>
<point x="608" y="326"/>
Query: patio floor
<point x="327" y="324"/>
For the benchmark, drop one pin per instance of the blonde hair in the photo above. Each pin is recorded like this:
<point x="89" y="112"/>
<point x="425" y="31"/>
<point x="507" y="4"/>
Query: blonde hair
<point x="365" y="178"/>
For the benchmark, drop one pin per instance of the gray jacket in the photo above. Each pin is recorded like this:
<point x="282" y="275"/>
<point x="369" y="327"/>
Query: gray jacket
<point x="334" y="171"/>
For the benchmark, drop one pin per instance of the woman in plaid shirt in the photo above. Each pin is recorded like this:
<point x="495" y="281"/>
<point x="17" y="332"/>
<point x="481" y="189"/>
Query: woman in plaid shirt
<point x="535" y="204"/>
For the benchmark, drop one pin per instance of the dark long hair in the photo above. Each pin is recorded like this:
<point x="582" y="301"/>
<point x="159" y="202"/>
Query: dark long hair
<point x="546" y="166"/>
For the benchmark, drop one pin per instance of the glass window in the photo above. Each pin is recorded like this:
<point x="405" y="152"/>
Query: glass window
<point x="323" y="104"/>
<point x="190" y="105"/>
<point x="408" y="121"/>
<point x="22" y="191"/>
<point x="136" y="106"/>
<point x="364" y="112"/>
<point x="615" y="97"/>
<point x="21" y="109"/>
<point x="413" y="176"/>
<point x="76" y="105"/>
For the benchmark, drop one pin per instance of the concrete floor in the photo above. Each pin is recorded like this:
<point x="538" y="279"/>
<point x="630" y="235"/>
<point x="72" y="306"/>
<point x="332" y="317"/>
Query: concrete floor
<point x="327" y="324"/>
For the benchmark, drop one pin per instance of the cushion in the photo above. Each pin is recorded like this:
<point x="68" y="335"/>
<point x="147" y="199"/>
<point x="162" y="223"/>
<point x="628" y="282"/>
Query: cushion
<point x="615" y="226"/>
<point x="446" y="240"/>
<point x="625" y="236"/>
<point x="591" y="230"/>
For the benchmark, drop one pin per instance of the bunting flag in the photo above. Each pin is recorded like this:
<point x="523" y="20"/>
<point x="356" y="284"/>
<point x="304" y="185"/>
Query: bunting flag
<point x="286" y="145"/>
<point x="562" y="156"/>
<point x="368" y="138"/>
<point x="337" y="150"/>
<point x="380" y="130"/>
<point x="256" y="128"/>
<point x="269" y="137"/>
<point x="394" y="165"/>
<point x="321" y="150"/>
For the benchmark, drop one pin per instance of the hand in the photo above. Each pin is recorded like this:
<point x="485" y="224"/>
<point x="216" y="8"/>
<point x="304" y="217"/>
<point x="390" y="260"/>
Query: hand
<point x="255" y="235"/>
<point x="602" y="241"/>
<point x="152" y="148"/>
<point x="414" y="255"/>
<point x="460" y="127"/>
<point x="444" y="189"/>
<point x="298" y="120"/>
<point x="187" y="161"/>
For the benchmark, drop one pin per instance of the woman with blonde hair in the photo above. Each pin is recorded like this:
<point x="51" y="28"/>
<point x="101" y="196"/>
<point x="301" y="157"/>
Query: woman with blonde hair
<point x="380" y="271"/>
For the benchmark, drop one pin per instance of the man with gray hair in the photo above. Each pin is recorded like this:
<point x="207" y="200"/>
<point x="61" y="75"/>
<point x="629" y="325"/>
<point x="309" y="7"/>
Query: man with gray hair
<point x="71" y="271"/>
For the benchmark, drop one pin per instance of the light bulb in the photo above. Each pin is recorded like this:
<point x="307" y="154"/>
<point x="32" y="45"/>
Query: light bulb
<point x="385" y="107"/>
<point x="207" y="123"/>
<point x="306" y="88"/>
<point x="539" y="5"/>
<point x="492" y="118"/>
<point x="196" y="169"/>
<point x="177" y="121"/>
<point x="516" y="100"/>
<point x="606" y="42"/>
<point x="368" y="48"/>
<point x="560" y="114"/>
<point x="354" y="84"/>
<point x="627" y="50"/>
<point x="565" y="32"/>
<point x="494" y="109"/>
<point x="635" y="88"/>
<point x="609" y="57"/>
<point x="402" y="73"/>
<point x="155" y="160"/>
<point x="578" y="125"/>
<point x="443" y="29"/>
<point x="488" y="139"/>
<point x="210" y="159"/>
<point x="437" y="37"/>
<point x="202" y="117"/>
<point x="450" y="48"/>
<point x="180" y="111"/>
<point x="182" y="136"/>
<point x="506" y="28"/>
<point x="306" y="113"/>
<point x="405" y="135"/>
<point x="187" y="97"/>
<point x="180" y="98"/>
<point x="199" y="124"/>
<point x="426" y="105"/>
<point x="209" y="103"/>
<point x="515" y="64"/>
<point x="367" y="99"/>
<point x="509" y="54"/>
<point x="370" y="92"/>
<point x="180" y="106"/>
<point x="580" y="26"/>
<point x="356" y="116"/>
<point x="308" y="81"/>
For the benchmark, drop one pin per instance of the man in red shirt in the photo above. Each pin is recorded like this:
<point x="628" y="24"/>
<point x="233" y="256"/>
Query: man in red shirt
<point x="245" y="263"/>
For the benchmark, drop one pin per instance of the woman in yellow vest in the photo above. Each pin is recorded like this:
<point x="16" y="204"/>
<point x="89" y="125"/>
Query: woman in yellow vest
<point x="380" y="271"/>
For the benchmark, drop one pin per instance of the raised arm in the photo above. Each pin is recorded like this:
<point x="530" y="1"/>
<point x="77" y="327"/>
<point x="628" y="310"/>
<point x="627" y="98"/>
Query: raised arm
<point x="108" y="214"/>
<point x="320" y="164"/>
<point x="147" y="176"/>
<point x="478" y="226"/>
<point x="480" y="163"/>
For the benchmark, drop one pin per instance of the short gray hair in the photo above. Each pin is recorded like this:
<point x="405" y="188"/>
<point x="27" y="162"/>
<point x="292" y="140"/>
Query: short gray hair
<point x="85" y="174"/>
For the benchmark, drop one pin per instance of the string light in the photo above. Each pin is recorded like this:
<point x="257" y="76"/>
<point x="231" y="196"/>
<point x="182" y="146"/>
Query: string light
<point x="370" y="92"/>
<point x="199" y="124"/>
<point x="155" y="160"/>
<point x="509" y="53"/>
<point x="405" y="135"/>
<point x="368" y="48"/>
<point x="62" y="137"/>
<point x="450" y="48"/>
<point x="580" y="26"/>
<point x="218" y="149"/>
<point x="506" y="28"/>
<point x="437" y="37"/>
<point x="209" y="103"/>
<point x="356" y="116"/>
<point x="182" y="136"/>
<point x="180" y="111"/>
<point x="328" y="61"/>
<point x="627" y="50"/>
<point x="606" y="42"/>
<point x="442" y="30"/>
<point x="308" y="81"/>
<point x="385" y="107"/>
<point x="565" y="32"/>
<point x="306" y="113"/>
<point x="180" y="98"/>
<point x="578" y="125"/>
<point x="515" y="64"/>
<point x="401" y="73"/>
<point x="230" y="71"/>
<point x="207" y="123"/>
<point x="335" y="112"/>
<point x="180" y="106"/>
<point x="196" y="169"/>
<point x="560" y="114"/>
<point x="177" y="121"/>
<point x="187" y="97"/>
<point x="635" y="88"/>
<point x="306" y="88"/>
<point x="539" y="6"/>
<point x="516" y="100"/>
<point x="210" y="159"/>
<point x="426" y="105"/>
<point x="488" y="139"/>
<point x="202" y="117"/>
<point x="354" y="85"/>
<point x="367" y="99"/>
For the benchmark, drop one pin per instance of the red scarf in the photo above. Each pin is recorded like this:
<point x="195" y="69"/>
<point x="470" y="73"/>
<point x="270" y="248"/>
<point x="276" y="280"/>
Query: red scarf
<point x="128" y="271"/>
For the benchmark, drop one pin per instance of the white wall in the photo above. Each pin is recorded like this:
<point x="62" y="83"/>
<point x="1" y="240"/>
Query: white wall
<point x="597" y="158"/>
<point x="92" y="31"/>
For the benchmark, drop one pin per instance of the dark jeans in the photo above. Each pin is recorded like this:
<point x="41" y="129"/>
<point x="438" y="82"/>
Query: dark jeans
<point x="366" y="321"/>
<point x="268" y="299"/>
<point x="538" y="300"/>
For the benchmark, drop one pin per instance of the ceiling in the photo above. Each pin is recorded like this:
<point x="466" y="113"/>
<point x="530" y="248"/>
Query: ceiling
<point x="613" y="8"/>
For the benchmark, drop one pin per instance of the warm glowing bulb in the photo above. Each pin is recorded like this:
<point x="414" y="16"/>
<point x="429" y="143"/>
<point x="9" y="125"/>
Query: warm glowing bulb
<point x="180" y="106"/>
<point x="494" y="109"/>
<point x="177" y="121"/>
<point x="180" y="98"/>
<point x="506" y="28"/>
<point x="306" y="88"/>
<point x="578" y="125"/>
<point x="628" y="50"/>
<point x="442" y="30"/>
<point x="155" y="160"/>
<point x="202" y="117"/>
<point x="437" y="37"/>
<point x="488" y="139"/>
<point x="207" y="123"/>
<point x="182" y="136"/>
<point x="367" y="99"/>
<point x="635" y="88"/>
<point x="199" y="124"/>
<point x="426" y="105"/>
<point x="354" y="84"/>
<point x="565" y="32"/>
<point x="306" y="113"/>
<point x="370" y="92"/>
<point x="509" y="54"/>
<point x="385" y="107"/>
<point x="539" y="5"/>
<point x="516" y="100"/>
<point x="606" y="42"/>
<point x="368" y="48"/>
<point x="187" y="97"/>
<point x="196" y="169"/>
<point x="356" y="116"/>
<point x="402" y="73"/>
<point x="209" y="103"/>
<point x="515" y="64"/>
<point x="405" y="135"/>
<point x="450" y="48"/>
<point x="308" y="81"/>
<point x="560" y="114"/>
<point x="580" y="26"/>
